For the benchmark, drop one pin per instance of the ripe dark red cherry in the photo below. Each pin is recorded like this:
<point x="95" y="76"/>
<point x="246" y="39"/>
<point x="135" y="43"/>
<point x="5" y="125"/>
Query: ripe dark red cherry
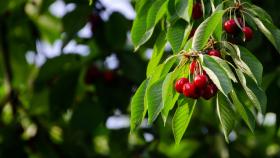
<point x="248" y="33"/>
<point x="208" y="92"/>
<point x="189" y="89"/>
<point x="197" y="12"/>
<point x="200" y="81"/>
<point x="214" y="52"/>
<point x="230" y="26"/>
<point x="180" y="83"/>
<point x="193" y="66"/>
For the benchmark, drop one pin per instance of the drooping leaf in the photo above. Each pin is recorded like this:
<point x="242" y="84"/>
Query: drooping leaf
<point x="169" y="95"/>
<point x="184" y="9"/>
<point x="182" y="118"/>
<point x="138" y="108"/>
<point x="139" y="32"/>
<point x="154" y="100"/>
<point x="147" y="17"/>
<point x="259" y="12"/>
<point x="175" y="35"/>
<point x="250" y="65"/>
<point x="243" y="110"/>
<point x="253" y="91"/>
<point x="226" y="114"/>
<point x="205" y="30"/>
<point x="226" y="67"/>
<point x="216" y="73"/>
<point x="271" y="32"/>
<point x="158" y="51"/>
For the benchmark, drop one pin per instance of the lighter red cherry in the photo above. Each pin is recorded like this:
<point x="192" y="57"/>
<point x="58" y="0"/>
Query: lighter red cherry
<point x="248" y="33"/>
<point x="197" y="12"/>
<point x="214" y="52"/>
<point x="200" y="81"/>
<point x="180" y="83"/>
<point x="193" y="66"/>
<point x="230" y="26"/>
<point x="189" y="89"/>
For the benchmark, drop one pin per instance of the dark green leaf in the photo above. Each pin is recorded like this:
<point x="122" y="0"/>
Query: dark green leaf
<point x="216" y="73"/>
<point x="182" y="118"/>
<point x="138" y="108"/>
<point x="243" y="110"/>
<point x="226" y="114"/>
<point x="205" y="30"/>
<point x="176" y="34"/>
<point x="255" y="93"/>
<point x="184" y="9"/>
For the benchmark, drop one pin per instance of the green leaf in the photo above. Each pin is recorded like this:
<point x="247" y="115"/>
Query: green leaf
<point x="158" y="51"/>
<point x="205" y="30"/>
<point x="226" y="67"/>
<point x="138" y="108"/>
<point x="175" y="35"/>
<point x="147" y="17"/>
<point x="154" y="100"/>
<point x="156" y="12"/>
<point x="139" y="34"/>
<point x="226" y="114"/>
<point x="271" y="32"/>
<point x="182" y="118"/>
<point x="253" y="91"/>
<point x="250" y="65"/>
<point x="219" y="30"/>
<point x="243" y="110"/>
<point x="216" y="73"/>
<point x="184" y="9"/>
<point x="260" y="13"/>
<point x="169" y="95"/>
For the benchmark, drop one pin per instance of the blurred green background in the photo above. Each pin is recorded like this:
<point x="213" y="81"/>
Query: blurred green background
<point x="68" y="71"/>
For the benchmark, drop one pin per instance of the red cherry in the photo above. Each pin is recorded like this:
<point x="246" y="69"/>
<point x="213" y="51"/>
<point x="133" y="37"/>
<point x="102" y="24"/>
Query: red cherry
<point x="248" y="33"/>
<point x="214" y="52"/>
<point x="200" y="81"/>
<point x="197" y="12"/>
<point x="214" y="87"/>
<point x="230" y="26"/>
<point x="188" y="89"/>
<point x="208" y="92"/>
<point x="180" y="83"/>
<point x="193" y="66"/>
<point x="108" y="76"/>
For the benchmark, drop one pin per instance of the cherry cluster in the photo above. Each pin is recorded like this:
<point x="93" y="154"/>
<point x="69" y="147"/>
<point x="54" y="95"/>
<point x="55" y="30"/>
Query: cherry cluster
<point x="231" y="27"/>
<point x="202" y="85"/>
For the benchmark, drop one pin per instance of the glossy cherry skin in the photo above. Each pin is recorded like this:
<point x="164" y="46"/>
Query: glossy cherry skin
<point x="189" y="89"/>
<point x="193" y="66"/>
<point x="180" y="83"/>
<point x="214" y="52"/>
<point x="197" y="12"/>
<point x="230" y="26"/>
<point x="248" y="33"/>
<point x="208" y="92"/>
<point x="200" y="81"/>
